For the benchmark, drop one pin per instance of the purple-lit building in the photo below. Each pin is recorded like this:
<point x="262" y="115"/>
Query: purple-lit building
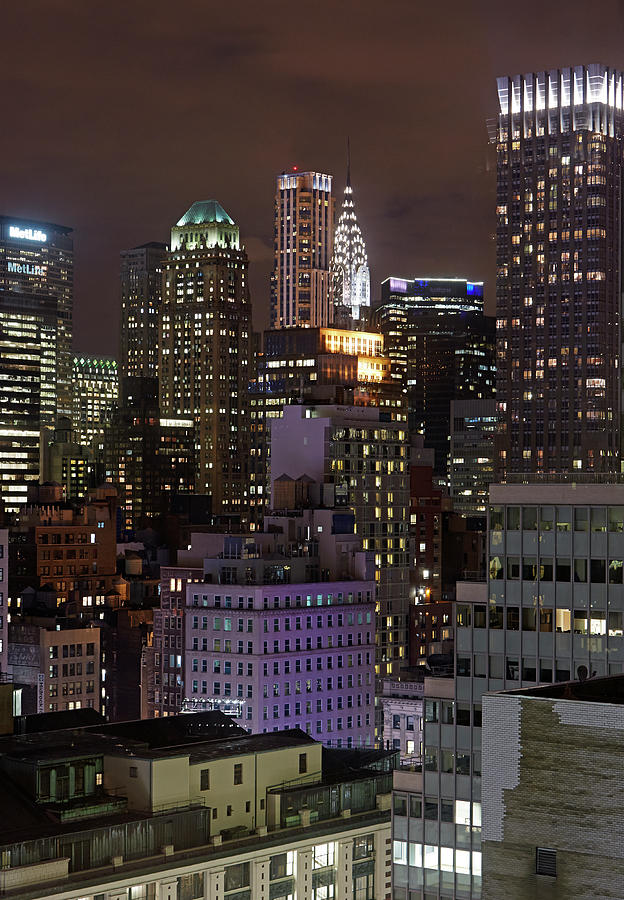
<point x="281" y="633"/>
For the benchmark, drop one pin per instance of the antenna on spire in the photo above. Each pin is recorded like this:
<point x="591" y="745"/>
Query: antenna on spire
<point x="348" y="162"/>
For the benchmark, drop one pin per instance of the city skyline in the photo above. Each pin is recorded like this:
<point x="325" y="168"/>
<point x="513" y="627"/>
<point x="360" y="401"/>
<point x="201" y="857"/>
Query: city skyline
<point x="425" y="205"/>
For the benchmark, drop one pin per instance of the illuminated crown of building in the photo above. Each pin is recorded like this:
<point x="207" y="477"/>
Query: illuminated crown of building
<point x="350" y="277"/>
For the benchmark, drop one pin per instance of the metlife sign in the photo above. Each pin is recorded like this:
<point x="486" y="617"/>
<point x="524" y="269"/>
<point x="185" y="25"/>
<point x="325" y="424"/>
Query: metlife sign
<point x="28" y="234"/>
<point x="26" y="269"/>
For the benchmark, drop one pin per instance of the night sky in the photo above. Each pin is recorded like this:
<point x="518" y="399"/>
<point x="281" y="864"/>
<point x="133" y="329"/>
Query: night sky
<point x="117" y="116"/>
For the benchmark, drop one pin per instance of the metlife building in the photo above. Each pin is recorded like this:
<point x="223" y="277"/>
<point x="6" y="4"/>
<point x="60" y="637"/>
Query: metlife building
<point x="36" y="299"/>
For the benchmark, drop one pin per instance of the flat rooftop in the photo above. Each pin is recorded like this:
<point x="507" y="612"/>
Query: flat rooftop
<point x="605" y="689"/>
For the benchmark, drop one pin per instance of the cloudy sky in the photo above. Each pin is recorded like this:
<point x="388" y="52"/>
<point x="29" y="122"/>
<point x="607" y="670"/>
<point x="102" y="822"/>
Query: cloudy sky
<point x="117" y="116"/>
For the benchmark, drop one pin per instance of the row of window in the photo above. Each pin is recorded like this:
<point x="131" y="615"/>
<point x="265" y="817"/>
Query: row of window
<point x="543" y="619"/>
<point x="560" y="518"/>
<point x="443" y="859"/>
<point x="513" y="668"/>
<point x="579" y="570"/>
<point x="286" y="602"/>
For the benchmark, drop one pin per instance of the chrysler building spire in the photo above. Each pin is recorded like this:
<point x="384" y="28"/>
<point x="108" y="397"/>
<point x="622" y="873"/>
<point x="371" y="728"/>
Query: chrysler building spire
<point x="349" y="274"/>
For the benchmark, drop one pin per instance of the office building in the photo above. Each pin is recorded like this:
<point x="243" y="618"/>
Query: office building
<point x="441" y="348"/>
<point x="150" y="458"/>
<point x="28" y="398"/>
<point x="4" y="600"/>
<point x="552" y="609"/>
<point x="551" y="759"/>
<point x="65" y="461"/>
<point x="474" y="425"/>
<point x="192" y="807"/>
<point x="298" y="364"/>
<point x="559" y="273"/>
<point x="141" y="294"/>
<point x="361" y="458"/>
<point x="96" y="392"/>
<point x="304" y="232"/>
<point x="205" y="350"/>
<point x="36" y="263"/>
<point x="349" y="273"/>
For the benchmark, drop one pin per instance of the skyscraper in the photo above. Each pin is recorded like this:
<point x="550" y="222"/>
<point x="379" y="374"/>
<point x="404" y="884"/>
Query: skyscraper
<point x="96" y="390"/>
<point x="205" y="349"/>
<point x="559" y="269"/>
<point x="442" y="348"/>
<point x="304" y="231"/>
<point x="141" y="290"/>
<point x="36" y="274"/>
<point x="349" y="274"/>
<point x="36" y="260"/>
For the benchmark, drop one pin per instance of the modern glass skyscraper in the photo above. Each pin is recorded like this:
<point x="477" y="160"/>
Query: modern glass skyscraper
<point x="304" y="232"/>
<point x="442" y="348"/>
<point x="205" y="349"/>
<point x="36" y="290"/>
<point x="559" y="269"/>
<point x="36" y="261"/>
<point x="141" y="291"/>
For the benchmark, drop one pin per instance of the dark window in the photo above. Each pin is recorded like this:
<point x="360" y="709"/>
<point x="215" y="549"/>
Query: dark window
<point x="415" y="806"/>
<point x="598" y="569"/>
<point x="400" y="805"/>
<point x="204" y="779"/>
<point x="303" y="763"/>
<point x="546" y="862"/>
<point x="238" y="773"/>
<point x="237" y="877"/>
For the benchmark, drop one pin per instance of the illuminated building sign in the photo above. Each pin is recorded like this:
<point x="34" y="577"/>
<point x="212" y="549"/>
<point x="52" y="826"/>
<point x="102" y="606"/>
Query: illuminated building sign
<point x="27" y="234"/>
<point x="399" y="285"/>
<point x="26" y="269"/>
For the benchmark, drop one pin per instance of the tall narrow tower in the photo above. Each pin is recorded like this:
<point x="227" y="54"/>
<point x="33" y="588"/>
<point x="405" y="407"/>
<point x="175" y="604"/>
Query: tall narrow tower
<point x="349" y="273"/>
<point x="559" y="270"/>
<point x="205" y="348"/>
<point x="304" y="230"/>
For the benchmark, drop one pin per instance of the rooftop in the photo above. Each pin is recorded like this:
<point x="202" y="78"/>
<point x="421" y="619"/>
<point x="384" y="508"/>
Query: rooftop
<point x="204" y="212"/>
<point x="606" y="689"/>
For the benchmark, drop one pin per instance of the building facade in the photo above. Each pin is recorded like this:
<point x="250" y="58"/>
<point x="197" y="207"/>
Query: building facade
<point x="4" y="601"/>
<point x="205" y="350"/>
<point x="402" y="704"/>
<point x="362" y="457"/>
<point x="550" y="763"/>
<point x="304" y="231"/>
<point x="441" y="347"/>
<point x="57" y="668"/>
<point x="36" y="261"/>
<point x="36" y="295"/>
<point x="96" y="391"/>
<point x="141" y="295"/>
<point x="474" y="425"/>
<point x="149" y="457"/>
<point x="559" y="273"/>
<point x="552" y="609"/>
<point x="299" y="363"/>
